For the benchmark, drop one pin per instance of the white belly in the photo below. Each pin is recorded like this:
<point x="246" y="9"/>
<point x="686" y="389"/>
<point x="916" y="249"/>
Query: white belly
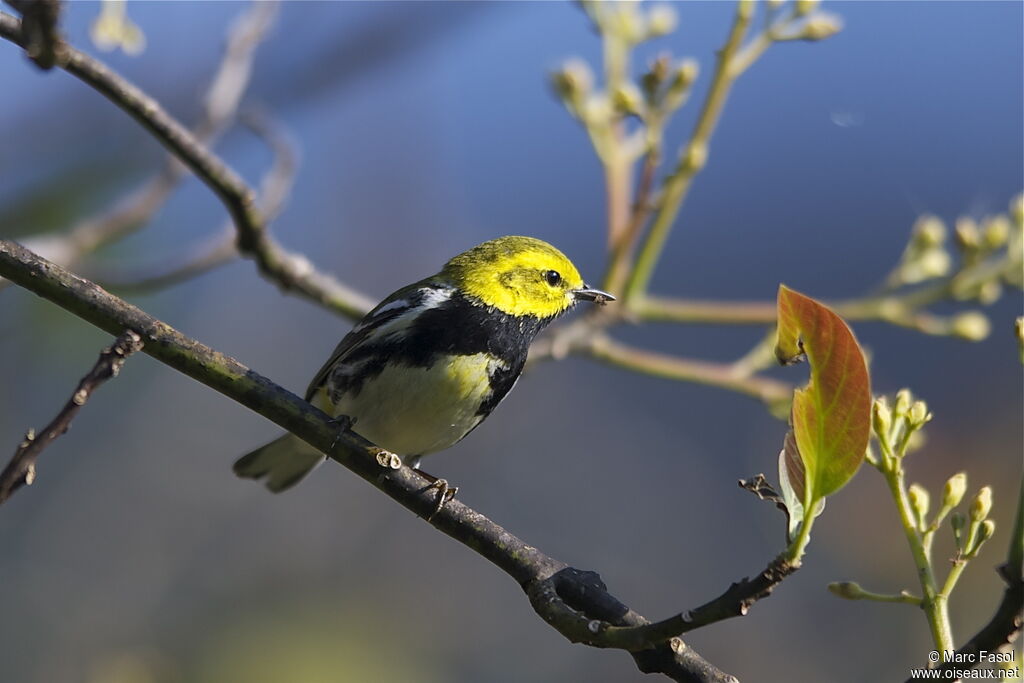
<point x="413" y="411"/>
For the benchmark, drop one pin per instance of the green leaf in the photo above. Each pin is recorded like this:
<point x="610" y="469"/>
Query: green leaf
<point x="831" y="416"/>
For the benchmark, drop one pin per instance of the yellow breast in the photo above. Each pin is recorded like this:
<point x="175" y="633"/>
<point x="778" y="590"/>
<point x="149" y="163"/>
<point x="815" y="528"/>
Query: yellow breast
<point x="414" y="411"/>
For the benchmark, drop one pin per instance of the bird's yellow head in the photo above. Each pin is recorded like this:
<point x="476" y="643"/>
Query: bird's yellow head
<point x="520" y="276"/>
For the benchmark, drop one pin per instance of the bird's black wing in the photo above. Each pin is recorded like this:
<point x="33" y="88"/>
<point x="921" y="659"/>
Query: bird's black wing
<point x="407" y="301"/>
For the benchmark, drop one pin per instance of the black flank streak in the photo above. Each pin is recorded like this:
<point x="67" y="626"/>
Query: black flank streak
<point x="457" y="327"/>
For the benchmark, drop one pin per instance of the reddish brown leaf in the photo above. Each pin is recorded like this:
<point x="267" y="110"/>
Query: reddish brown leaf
<point x="831" y="416"/>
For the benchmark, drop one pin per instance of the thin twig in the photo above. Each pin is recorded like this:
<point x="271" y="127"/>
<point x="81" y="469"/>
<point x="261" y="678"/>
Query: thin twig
<point x="234" y="73"/>
<point x="622" y="249"/>
<point x="220" y="102"/>
<point x="618" y="166"/>
<point x="771" y="33"/>
<point x="276" y="185"/>
<point x="587" y="337"/>
<point x="759" y="486"/>
<point x="732" y="61"/>
<point x="210" y="253"/>
<point x="292" y="272"/>
<point x="663" y="309"/>
<point x="22" y="467"/>
<point x="579" y="598"/>
<point x="736" y="601"/>
<point x="220" y="248"/>
<point x="901" y="307"/>
<point x="772" y="392"/>
<point x="693" y="156"/>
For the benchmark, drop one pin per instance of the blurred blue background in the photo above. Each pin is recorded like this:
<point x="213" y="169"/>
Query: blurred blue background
<point x="425" y="128"/>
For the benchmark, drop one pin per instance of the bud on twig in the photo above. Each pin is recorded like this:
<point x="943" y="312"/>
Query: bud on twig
<point x="954" y="490"/>
<point x="881" y="418"/>
<point x="683" y="77"/>
<point x="627" y="99"/>
<point x="848" y="590"/>
<point x="903" y="402"/>
<point x="919" y="414"/>
<point x="685" y="74"/>
<point x="696" y="156"/>
<point x="661" y="20"/>
<point x="997" y="231"/>
<point x="919" y="501"/>
<point x="925" y="256"/>
<point x="971" y="325"/>
<point x="929" y="231"/>
<point x="655" y="76"/>
<point x="820" y="27"/>
<point x="573" y="83"/>
<point x="934" y="263"/>
<point x="985" y="532"/>
<point x="958" y="521"/>
<point x="982" y="504"/>
<point x="966" y="233"/>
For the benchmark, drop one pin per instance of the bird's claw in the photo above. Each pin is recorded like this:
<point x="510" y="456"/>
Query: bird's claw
<point x="343" y="423"/>
<point x="445" y="494"/>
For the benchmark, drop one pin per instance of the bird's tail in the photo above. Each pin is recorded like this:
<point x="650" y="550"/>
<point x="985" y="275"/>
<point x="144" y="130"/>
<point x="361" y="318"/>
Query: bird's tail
<point x="284" y="462"/>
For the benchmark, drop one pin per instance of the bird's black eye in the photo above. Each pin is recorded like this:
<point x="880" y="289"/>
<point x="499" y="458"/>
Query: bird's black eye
<point x="552" y="277"/>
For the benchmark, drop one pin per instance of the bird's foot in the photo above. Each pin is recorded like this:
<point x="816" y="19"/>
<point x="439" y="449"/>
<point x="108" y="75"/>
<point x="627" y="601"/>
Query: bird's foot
<point x="344" y="424"/>
<point x="445" y="492"/>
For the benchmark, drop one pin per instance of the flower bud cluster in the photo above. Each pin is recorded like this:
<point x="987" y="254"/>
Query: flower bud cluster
<point x="896" y="426"/>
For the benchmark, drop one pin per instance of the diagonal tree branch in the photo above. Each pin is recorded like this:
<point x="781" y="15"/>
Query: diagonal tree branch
<point x="220" y="248"/>
<point x="574" y="602"/>
<point x="22" y="467"/>
<point x="290" y="271"/>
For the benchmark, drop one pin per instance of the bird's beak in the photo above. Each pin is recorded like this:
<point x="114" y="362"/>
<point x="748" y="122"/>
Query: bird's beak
<point x="595" y="295"/>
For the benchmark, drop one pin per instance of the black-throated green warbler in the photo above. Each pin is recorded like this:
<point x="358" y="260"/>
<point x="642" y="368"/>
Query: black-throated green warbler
<point x="431" y="361"/>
